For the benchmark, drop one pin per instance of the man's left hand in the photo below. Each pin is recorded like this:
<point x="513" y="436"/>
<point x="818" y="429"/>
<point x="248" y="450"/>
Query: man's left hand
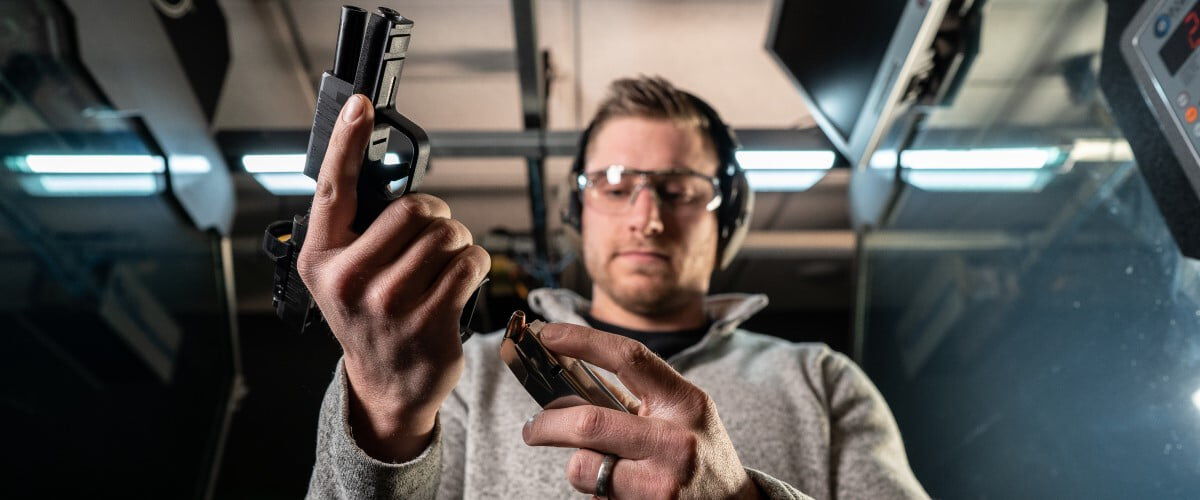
<point x="672" y="446"/>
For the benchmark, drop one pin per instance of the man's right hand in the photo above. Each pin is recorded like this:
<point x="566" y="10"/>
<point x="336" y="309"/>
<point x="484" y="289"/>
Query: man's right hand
<point x="393" y="296"/>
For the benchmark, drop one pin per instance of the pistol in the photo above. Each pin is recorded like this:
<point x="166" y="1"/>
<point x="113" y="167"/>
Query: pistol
<point x="370" y="54"/>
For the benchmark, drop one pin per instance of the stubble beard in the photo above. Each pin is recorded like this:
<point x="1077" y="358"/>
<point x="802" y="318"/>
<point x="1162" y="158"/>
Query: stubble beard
<point x="663" y="297"/>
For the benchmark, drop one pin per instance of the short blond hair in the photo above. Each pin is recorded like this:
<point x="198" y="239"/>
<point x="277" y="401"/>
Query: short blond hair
<point x="651" y="97"/>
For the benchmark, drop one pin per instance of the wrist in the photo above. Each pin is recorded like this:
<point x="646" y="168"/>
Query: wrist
<point x="385" y="427"/>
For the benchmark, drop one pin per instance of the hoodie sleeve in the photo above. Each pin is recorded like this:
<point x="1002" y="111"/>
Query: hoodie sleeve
<point x="343" y="470"/>
<point x="775" y="489"/>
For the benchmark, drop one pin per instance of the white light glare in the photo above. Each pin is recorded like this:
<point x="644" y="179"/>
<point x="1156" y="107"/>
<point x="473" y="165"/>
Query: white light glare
<point x="90" y="185"/>
<point x="883" y="159"/>
<point x="273" y="164"/>
<point x="977" y="181"/>
<point x="94" y="164"/>
<point x="785" y="170"/>
<point x="290" y="163"/>
<point x="1101" y="150"/>
<point x="287" y="184"/>
<point x="796" y="180"/>
<point x="1009" y="158"/>
<point x="189" y="164"/>
<point x="785" y="160"/>
<point x="1196" y="399"/>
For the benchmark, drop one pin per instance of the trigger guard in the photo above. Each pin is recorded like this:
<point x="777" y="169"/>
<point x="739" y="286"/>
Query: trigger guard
<point x="416" y="136"/>
<point x="464" y="323"/>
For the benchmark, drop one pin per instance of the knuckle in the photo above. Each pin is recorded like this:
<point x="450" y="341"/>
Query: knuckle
<point x="306" y="265"/>
<point x="471" y="265"/>
<point x="425" y="205"/>
<point x="378" y="298"/>
<point x="449" y="233"/>
<point x="327" y="193"/>
<point x="590" y="423"/>
<point x="479" y="261"/>
<point x="435" y="204"/>
<point x="324" y="190"/>
<point x="637" y="354"/>
<point x="577" y="472"/>
<point x="461" y="235"/>
<point x="340" y="286"/>
<point x="410" y="208"/>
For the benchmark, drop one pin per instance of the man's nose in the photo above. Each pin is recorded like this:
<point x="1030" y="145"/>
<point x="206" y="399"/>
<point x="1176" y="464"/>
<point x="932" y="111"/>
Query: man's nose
<point x="645" y="214"/>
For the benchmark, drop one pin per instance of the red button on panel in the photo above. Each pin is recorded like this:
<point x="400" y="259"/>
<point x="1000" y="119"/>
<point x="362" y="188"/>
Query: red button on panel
<point x="1191" y="114"/>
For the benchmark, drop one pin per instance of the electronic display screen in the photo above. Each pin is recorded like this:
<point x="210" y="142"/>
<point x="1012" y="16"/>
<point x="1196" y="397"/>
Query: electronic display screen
<point x="1183" y="41"/>
<point x="834" y="50"/>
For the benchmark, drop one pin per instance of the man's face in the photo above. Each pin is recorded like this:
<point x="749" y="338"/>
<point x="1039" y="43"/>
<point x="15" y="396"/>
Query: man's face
<point x="650" y="260"/>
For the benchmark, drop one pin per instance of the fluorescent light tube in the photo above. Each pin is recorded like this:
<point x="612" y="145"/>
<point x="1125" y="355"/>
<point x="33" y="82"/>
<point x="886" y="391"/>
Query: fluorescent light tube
<point x="782" y="180"/>
<point x="287" y="163"/>
<point x="961" y="180"/>
<point x="93" y="164"/>
<point x="785" y="160"/>
<point x="287" y="184"/>
<point x="962" y="159"/>
<point x="1101" y="150"/>
<point x="90" y="185"/>
<point x="268" y="164"/>
<point x="189" y="164"/>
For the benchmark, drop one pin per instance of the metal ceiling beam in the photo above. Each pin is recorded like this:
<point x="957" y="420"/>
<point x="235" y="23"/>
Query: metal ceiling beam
<point x="475" y="144"/>
<point x="531" y="74"/>
<point x="308" y="75"/>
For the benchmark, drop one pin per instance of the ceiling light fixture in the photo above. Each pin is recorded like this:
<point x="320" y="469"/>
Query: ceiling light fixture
<point x="91" y="164"/>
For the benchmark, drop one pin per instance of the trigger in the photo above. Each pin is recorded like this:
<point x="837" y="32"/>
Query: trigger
<point x="464" y="323"/>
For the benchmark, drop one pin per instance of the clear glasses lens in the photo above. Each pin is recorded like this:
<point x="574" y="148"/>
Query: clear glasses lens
<point x="615" y="190"/>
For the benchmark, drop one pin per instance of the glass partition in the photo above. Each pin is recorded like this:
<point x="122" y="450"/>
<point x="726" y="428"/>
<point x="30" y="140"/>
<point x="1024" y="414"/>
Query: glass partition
<point x="1022" y="306"/>
<point x="117" y="350"/>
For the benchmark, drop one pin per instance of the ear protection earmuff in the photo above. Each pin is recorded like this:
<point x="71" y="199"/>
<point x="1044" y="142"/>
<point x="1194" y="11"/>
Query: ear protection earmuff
<point x="737" y="199"/>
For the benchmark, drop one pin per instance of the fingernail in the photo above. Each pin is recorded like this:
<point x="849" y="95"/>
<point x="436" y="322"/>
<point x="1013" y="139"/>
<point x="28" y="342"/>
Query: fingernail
<point x="550" y="332"/>
<point x="525" y="429"/>
<point x="353" y="109"/>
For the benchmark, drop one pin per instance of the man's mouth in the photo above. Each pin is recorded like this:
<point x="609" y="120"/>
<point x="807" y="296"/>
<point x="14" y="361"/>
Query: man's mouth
<point x="643" y="256"/>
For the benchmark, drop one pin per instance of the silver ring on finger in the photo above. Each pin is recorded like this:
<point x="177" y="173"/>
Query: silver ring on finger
<point x="604" y="476"/>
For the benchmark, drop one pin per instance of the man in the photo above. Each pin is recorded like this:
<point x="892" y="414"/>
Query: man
<point x="411" y="413"/>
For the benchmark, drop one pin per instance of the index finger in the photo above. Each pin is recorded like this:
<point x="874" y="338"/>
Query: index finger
<point x="600" y="429"/>
<point x="645" y="374"/>
<point x="335" y="200"/>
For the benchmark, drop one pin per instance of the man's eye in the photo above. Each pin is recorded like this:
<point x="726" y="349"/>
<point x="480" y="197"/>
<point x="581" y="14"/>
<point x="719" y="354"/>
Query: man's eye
<point x="673" y="196"/>
<point x="676" y="194"/>
<point x="615" y="192"/>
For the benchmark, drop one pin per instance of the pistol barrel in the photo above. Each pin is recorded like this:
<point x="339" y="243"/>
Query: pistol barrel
<point x="366" y="80"/>
<point x="349" y="42"/>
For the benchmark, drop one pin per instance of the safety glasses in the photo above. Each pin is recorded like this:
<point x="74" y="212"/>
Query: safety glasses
<point x="614" y="189"/>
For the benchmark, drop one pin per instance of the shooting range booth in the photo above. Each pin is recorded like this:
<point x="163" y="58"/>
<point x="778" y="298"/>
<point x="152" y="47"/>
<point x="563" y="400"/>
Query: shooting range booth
<point x="992" y="206"/>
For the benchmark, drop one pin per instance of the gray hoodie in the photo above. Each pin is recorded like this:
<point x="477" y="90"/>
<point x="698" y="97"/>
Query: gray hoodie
<point x="805" y="420"/>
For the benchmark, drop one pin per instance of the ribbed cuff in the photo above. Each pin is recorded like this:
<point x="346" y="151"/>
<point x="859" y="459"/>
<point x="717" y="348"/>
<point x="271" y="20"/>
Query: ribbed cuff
<point x="773" y="488"/>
